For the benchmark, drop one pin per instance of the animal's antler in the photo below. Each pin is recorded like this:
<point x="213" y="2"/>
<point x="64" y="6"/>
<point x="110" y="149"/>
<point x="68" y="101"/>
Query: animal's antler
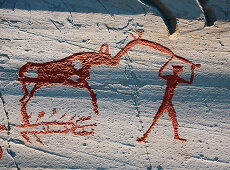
<point x="139" y="33"/>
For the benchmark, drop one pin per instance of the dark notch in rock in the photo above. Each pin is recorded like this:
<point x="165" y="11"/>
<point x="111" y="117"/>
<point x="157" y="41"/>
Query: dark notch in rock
<point x="167" y="15"/>
<point x="208" y="11"/>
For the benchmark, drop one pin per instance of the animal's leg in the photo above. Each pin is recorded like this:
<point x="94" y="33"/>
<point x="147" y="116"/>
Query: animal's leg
<point x="157" y="116"/>
<point x="93" y="97"/>
<point x="32" y="92"/>
<point x="84" y="84"/>
<point x="25" y="92"/>
<point x="25" y="116"/>
<point x="172" y="115"/>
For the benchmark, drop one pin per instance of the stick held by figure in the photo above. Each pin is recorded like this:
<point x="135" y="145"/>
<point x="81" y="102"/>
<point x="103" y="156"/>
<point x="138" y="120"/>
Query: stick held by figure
<point x="172" y="82"/>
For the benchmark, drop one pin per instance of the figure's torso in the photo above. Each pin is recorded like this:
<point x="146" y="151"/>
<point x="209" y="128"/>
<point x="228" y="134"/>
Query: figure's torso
<point x="172" y="82"/>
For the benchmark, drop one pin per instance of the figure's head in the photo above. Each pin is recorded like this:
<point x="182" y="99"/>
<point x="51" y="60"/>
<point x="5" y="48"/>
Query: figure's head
<point x="177" y="70"/>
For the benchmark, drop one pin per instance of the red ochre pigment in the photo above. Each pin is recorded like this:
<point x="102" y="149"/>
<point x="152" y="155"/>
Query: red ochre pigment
<point x="66" y="126"/>
<point x="54" y="111"/>
<point x="73" y="117"/>
<point x="2" y="128"/>
<point x="1" y="152"/>
<point x="40" y="115"/>
<point x="63" y="116"/>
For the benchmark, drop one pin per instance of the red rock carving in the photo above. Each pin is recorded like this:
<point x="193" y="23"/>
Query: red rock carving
<point x="61" y="71"/>
<point x="2" y="128"/>
<point x="172" y="82"/>
<point x="1" y="152"/>
<point x="67" y="127"/>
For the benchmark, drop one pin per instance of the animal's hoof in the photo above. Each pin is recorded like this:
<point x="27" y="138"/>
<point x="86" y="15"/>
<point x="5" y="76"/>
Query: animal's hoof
<point x="140" y="140"/>
<point x="180" y="139"/>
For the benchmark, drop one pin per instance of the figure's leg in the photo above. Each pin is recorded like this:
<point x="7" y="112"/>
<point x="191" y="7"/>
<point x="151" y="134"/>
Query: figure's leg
<point x="172" y="115"/>
<point x="157" y="116"/>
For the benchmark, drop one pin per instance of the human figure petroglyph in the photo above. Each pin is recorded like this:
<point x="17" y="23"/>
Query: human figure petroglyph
<point x="172" y="82"/>
<point x="61" y="71"/>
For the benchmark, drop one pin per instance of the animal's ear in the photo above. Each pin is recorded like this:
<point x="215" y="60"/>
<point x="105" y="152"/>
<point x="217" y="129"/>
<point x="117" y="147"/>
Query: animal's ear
<point x="106" y="49"/>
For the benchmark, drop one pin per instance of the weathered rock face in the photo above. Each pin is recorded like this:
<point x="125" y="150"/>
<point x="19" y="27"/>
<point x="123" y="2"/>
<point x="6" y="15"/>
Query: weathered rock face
<point x="86" y="56"/>
<point x="169" y="10"/>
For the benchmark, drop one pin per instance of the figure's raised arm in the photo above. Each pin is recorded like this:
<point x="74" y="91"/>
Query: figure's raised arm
<point x="181" y="80"/>
<point x="192" y="74"/>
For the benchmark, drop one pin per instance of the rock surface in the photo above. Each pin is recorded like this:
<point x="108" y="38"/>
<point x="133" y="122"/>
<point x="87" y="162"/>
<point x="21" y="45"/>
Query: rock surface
<point x="128" y="95"/>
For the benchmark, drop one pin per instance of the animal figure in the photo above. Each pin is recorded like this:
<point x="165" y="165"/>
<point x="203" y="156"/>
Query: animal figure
<point x="61" y="71"/>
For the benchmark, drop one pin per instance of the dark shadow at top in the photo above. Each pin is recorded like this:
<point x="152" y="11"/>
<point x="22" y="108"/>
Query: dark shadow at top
<point x="169" y="10"/>
<point x="81" y="6"/>
<point x="187" y="9"/>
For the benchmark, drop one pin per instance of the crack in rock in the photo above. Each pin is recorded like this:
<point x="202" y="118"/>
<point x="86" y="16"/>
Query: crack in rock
<point x="9" y="150"/>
